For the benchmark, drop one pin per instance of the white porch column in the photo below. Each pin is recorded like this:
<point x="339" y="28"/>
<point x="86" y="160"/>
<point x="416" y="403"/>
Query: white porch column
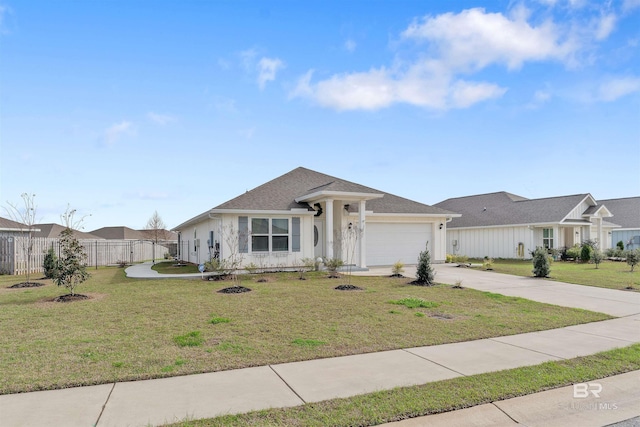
<point x="363" y="234"/>
<point x="328" y="229"/>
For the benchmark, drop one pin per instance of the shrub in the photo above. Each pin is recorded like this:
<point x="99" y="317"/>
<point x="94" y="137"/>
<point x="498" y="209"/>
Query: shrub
<point x="449" y="258"/>
<point x="424" y="273"/>
<point x="633" y="258"/>
<point x="541" y="264"/>
<point x="573" y="252"/>
<point x="50" y="264"/>
<point x="585" y="253"/>
<point x="333" y="264"/>
<point x="487" y="264"/>
<point x="597" y="257"/>
<point x="71" y="267"/>
<point x="620" y="245"/>
<point x="398" y="268"/>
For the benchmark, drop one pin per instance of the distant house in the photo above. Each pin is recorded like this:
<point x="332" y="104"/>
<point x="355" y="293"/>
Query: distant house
<point x="10" y="228"/>
<point x="307" y="214"/>
<point x="119" y="233"/>
<point x="626" y="213"/>
<point x="504" y="225"/>
<point x="52" y="230"/>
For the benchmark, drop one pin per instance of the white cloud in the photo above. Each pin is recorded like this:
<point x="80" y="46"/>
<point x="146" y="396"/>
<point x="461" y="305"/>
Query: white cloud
<point x="423" y="85"/>
<point x="267" y="69"/>
<point x="247" y="133"/>
<point x="5" y="12"/>
<point x="350" y="45"/>
<point x="628" y="5"/>
<point x="606" y="24"/>
<point x="615" y="88"/>
<point x="474" y="39"/>
<point x="117" y="130"/>
<point x="247" y="57"/>
<point x="161" y="119"/>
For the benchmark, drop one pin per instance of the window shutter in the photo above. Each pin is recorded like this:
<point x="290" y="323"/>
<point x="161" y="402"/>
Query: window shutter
<point x="295" y="234"/>
<point x="243" y="234"/>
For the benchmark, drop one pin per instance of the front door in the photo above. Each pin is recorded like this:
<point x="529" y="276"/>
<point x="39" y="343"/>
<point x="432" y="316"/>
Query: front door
<point x="318" y="238"/>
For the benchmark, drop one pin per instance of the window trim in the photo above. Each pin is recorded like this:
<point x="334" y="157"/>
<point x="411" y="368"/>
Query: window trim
<point x="270" y="235"/>
<point x="549" y="240"/>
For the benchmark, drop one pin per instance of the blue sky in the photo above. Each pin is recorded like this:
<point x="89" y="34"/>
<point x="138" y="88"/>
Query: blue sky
<point x="123" y="108"/>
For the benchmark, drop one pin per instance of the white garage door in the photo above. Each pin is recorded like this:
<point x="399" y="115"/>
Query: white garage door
<point x="389" y="243"/>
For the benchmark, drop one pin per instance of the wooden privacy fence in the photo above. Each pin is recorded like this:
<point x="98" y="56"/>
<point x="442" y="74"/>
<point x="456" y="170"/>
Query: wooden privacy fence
<point x="14" y="250"/>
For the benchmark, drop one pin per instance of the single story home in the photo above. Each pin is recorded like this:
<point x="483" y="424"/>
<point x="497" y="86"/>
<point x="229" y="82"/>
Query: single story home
<point x="626" y="213"/>
<point x="53" y="230"/>
<point x="504" y="225"/>
<point x="307" y="214"/>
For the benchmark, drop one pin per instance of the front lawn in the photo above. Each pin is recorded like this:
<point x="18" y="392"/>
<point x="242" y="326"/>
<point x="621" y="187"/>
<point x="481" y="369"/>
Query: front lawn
<point x="136" y="329"/>
<point x="609" y="274"/>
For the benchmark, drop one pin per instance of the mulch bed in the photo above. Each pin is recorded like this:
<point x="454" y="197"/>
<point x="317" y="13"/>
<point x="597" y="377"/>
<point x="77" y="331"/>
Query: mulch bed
<point x="421" y="283"/>
<point x="71" y="298"/>
<point x="234" y="290"/>
<point x="26" y="285"/>
<point x="347" y="288"/>
<point x="397" y="276"/>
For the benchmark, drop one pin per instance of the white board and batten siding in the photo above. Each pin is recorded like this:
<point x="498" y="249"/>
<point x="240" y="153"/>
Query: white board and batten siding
<point x="500" y="242"/>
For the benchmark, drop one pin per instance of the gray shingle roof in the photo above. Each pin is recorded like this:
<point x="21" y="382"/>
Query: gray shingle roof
<point x="8" y="224"/>
<point x="119" y="233"/>
<point x="53" y="230"/>
<point x="502" y="208"/>
<point x="626" y="211"/>
<point x="280" y="194"/>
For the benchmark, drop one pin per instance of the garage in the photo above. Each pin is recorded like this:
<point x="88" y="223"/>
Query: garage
<point x="388" y="243"/>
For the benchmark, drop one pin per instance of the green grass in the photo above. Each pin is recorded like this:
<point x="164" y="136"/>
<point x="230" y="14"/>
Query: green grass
<point x="191" y="339"/>
<point x="436" y="397"/>
<point x="126" y="330"/>
<point x="307" y="342"/>
<point x="216" y="320"/>
<point x="415" y="303"/>
<point x="610" y="274"/>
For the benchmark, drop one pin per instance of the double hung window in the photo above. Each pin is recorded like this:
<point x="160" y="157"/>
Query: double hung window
<point x="269" y="234"/>
<point x="547" y="238"/>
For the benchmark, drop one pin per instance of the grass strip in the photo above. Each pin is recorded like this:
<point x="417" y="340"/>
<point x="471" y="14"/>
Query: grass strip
<point x="441" y="396"/>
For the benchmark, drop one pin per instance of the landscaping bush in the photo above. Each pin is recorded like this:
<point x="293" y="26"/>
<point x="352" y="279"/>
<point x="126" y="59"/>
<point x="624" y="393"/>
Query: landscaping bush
<point x="398" y="268"/>
<point x="573" y="252"/>
<point x="633" y="257"/>
<point x="586" y="252"/>
<point x="597" y="257"/>
<point x="333" y="264"/>
<point x="620" y="245"/>
<point x="541" y="264"/>
<point x="50" y="264"/>
<point x="425" y="273"/>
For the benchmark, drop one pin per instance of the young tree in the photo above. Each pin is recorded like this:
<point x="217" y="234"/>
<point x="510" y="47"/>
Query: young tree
<point x="633" y="258"/>
<point x="597" y="257"/>
<point x="156" y="228"/>
<point x="425" y="274"/>
<point x="25" y="215"/>
<point x="541" y="264"/>
<point x="50" y="264"/>
<point x="71" y="269"/>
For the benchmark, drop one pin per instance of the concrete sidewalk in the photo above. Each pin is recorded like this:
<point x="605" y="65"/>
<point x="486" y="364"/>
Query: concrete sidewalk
<point x="160" y="401"/>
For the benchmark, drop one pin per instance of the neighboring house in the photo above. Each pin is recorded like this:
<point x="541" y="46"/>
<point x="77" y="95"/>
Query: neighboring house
<point x="307" y="214"/>
<point x="626" y="213"/>
<point x="160" y="235"/>
<point x="119" y="233"/>
<point x="53" y="231"/>
<point x="504" y="225"/>
<point x="10" y="228"/>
